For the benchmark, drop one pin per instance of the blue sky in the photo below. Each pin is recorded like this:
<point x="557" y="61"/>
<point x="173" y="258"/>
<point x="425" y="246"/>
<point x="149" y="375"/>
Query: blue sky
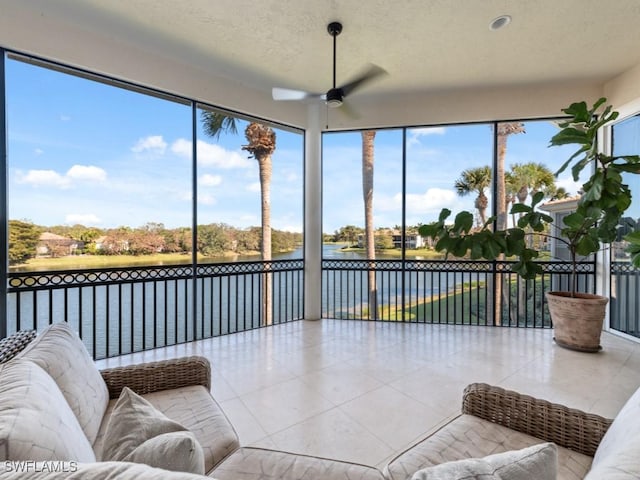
<point x="84" y="152"/>
<point x="435" y="158"/>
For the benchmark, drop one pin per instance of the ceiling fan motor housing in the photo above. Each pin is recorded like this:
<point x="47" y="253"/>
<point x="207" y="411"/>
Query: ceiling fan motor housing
<point x="334" y="97"/>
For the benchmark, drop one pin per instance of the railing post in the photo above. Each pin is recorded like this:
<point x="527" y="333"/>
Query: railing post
<point x="4" y="214"/>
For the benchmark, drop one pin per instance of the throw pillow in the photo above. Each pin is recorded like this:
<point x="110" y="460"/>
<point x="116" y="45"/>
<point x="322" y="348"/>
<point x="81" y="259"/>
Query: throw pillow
<point x="138" y="431"/>
<point x="538" y="461"/>
<point x="36" y="422"/>
<point x="13" y="344"/>
<point x="59" y="351"/>
<point x="177" y="451"/>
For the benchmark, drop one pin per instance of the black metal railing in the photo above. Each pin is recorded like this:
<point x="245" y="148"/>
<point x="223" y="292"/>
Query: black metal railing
<point x="624" y="307"/>
<point x="451" y="292"/>
<point x="124" y="310"/>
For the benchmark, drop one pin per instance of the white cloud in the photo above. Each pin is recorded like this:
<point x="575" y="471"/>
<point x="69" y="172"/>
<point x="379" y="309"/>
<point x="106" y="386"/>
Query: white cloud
<point x="65" y="118"/>
<point x="43" y="178"/>
<point x="206" y="199"/>
<point x="208" y="180"/>
<point x="152" y="143"/>
<point x="431" y="201"/>
<point x="210" y="154"/>
<point x="87" y="173"/>
<point x="416" y="133"/>
<point x="38" y="151"/>
<point x="572" y="187"/>
<point x="51" y="178"/>
<point x="292" y="177"/>
<point x="253" y="187"/>
<point x="82" y="219"/>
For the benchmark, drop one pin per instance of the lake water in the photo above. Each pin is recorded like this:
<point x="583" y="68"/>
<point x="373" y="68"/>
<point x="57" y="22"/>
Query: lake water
<point x="141" y="314"/>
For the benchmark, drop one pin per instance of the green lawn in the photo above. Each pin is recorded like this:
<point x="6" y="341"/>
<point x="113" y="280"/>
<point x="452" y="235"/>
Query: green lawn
<point x="107" y="261"/>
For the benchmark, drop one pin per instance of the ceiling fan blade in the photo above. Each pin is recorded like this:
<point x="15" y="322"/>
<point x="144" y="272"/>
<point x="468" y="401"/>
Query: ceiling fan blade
<point x="348" y="110"/>
<point x="289" y="94"/>
<point x="368" y="75"/>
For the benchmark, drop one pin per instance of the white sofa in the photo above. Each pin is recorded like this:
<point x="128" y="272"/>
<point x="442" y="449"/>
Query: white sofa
<point x="55" y="405"/>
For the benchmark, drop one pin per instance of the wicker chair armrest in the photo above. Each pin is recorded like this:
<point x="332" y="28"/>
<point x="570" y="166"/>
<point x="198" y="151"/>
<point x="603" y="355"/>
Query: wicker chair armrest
<point x="155" y="376"/>
<point x="568" y="427"/>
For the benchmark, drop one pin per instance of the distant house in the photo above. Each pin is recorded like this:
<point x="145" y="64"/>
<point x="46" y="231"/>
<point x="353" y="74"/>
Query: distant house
<point x="412" y="240"/>
<point x="558" y="210"/>
<point x="52" y="245"/>
<point x="108" y="243"/>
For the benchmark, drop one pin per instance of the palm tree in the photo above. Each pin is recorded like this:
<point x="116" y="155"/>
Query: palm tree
<point x="502" y="132"/>
<point x="261" y="145"/>
<point x="557" y="193"/>
<point x="368" y="137"/>
<point x="531" y="178"/>
<point x="476" y="180"/>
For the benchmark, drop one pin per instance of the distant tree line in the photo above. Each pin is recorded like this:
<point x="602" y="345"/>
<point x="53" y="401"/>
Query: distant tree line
<point x="213" y="239"/>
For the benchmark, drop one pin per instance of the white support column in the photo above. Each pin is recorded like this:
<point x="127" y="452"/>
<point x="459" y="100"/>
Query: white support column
<point x="313" y="216"/>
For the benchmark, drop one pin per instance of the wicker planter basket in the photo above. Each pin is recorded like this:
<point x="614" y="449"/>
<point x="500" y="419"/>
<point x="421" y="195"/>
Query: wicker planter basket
<point x="577" y="321"/>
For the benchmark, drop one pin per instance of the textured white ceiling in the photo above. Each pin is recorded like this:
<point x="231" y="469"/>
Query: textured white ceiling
<point x="425" y="45"/>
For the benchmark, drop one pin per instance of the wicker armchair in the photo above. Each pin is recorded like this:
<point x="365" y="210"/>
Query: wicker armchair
<point x="568" y="427"/>
<point x="156" y="376"/>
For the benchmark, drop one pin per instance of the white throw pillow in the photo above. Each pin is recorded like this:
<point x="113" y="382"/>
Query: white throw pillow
<point x="538" y="462"/>
<point x="59" y="351"/>
<point x="36" y="422"/>
<point x="138" y="432"/>
<point x="177" y="451"/>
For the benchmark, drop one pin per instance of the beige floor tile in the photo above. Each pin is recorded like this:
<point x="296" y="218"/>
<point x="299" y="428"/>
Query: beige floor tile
<point x="333" y="434"/>
<point x="392" y="416"/>
<point x="341" y="382"/>
<point x="247" y="426"/>
<point x="280" y="406"/>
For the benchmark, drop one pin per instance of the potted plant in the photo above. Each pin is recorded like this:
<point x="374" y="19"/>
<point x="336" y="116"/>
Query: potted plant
<point x="577" y="317"/>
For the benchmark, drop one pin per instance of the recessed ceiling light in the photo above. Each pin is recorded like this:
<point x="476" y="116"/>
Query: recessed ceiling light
<point x="499" y="22"/>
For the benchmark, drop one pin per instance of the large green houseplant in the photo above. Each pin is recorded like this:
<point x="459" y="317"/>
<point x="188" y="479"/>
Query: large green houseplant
<point x="595" y="222"/>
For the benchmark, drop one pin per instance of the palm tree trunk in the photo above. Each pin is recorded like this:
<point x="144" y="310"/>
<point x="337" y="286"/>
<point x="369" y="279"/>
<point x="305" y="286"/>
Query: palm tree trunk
<point x="265" y="165"/>
<point x="501" y="222"/>
<point x="368" y="137"/>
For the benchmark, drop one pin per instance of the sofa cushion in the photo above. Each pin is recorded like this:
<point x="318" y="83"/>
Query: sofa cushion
<point x="262" y="464"/>
<point x="60" y="352"/>
<point x="617" y="455"/>
<point x="92" y="471"/>
<point x="36" y="422"/>
<point x="538" y="461"/>
<point x="139" y="432"/>
<point x="468" y="436"/>
<point x="196" y="409"/>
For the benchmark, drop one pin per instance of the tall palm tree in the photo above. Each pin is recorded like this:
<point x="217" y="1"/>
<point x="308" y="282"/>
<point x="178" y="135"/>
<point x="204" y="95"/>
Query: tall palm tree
<point x="476" y="180"/>
<point x="261" y="145"/>
<point x="502" y="132"/>
<point x="368" y="137"/>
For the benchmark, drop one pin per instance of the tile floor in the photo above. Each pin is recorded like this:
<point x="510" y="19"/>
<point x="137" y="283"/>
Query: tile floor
<point x="364" y="391"/>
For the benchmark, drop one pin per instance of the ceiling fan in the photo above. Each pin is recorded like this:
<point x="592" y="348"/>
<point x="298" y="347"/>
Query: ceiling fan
<point x="334" y="96"/>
